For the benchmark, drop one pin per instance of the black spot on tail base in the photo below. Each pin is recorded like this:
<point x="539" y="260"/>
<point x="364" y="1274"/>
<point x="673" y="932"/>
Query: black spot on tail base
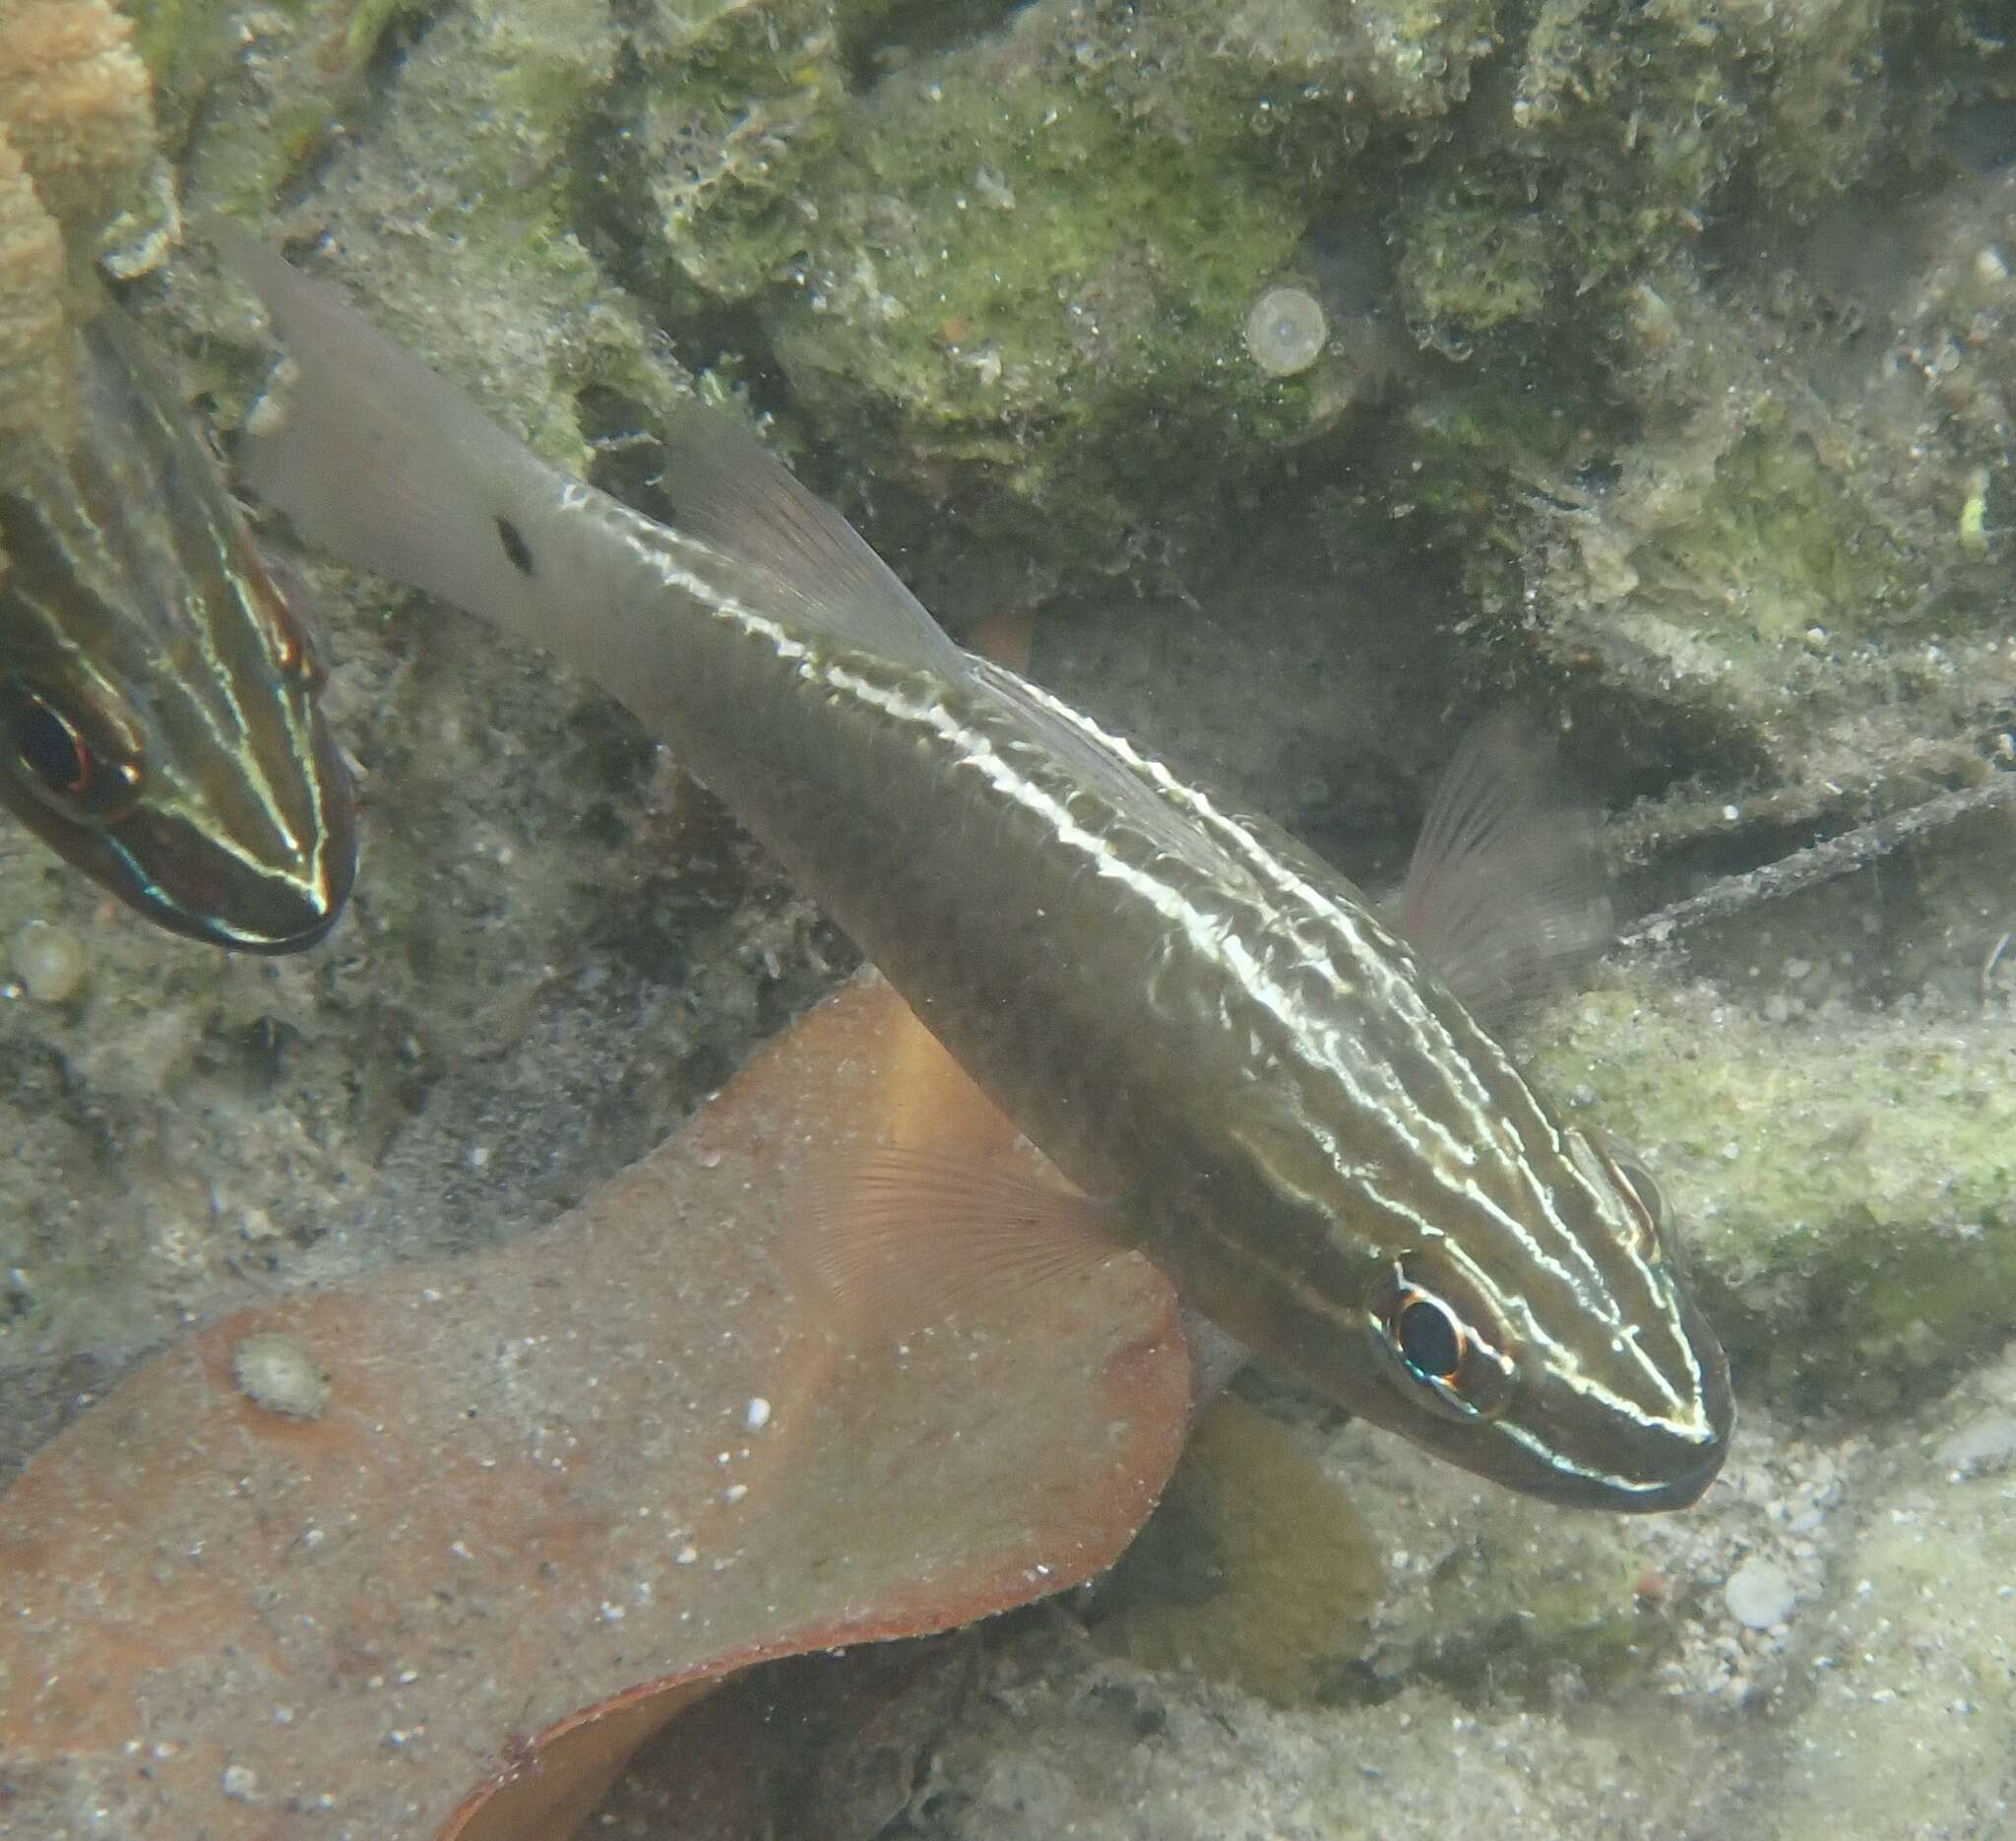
<point x="516" y="550"/>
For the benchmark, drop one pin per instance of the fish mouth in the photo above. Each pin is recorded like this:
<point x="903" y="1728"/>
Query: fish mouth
<point x="1680" y="1487"/>
<point x="313" y="930"/>
<point x="228" y="886"/>
<point x="308" y="925"/>
<point x="211" y="899"/>
<point x="1679" y="1491"/>
<point x="1674" y="1473"/>
<point x="282" y="921"/>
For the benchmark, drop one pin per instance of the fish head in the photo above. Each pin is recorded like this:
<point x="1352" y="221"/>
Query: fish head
<point x="159" y="723"/>
<point x="207" y="791"/>
<point x="1539" y="1334"/>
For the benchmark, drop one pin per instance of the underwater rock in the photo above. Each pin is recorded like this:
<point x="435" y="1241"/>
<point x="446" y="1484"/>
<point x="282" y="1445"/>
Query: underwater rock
<point x="1887" y="1695"/>
<point x="1760" y="1593"/>
<point x="76" y="128"/>
<point x="1842" y="1180"/>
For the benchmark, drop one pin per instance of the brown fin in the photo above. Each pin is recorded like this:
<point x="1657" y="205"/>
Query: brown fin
<point x="898" y="1238"/>
<point x="1505" y="891"/>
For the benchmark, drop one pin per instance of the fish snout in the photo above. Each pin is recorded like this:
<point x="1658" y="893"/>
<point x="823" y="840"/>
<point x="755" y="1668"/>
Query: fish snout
<point x="1648" y="1455"/>
<point x="261" y="886"/>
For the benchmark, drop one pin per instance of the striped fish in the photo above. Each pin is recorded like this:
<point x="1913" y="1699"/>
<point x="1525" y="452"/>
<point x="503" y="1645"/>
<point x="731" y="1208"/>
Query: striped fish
<point x="1206" y="1028"/>
<point x="158" y="695"/>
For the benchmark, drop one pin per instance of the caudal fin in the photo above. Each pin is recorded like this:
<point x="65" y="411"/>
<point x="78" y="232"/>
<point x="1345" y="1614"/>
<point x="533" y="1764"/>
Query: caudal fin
<point x="383" y="464"/>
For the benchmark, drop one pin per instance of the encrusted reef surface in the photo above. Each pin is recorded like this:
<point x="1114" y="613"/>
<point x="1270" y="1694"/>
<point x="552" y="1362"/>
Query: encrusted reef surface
<point x="1664" y="392"/>
<point x="76" y="135"/>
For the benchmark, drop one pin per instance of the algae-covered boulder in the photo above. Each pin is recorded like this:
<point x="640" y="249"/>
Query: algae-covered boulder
<point x="1847" y="1183"/>
<point x="1015" y="272"/>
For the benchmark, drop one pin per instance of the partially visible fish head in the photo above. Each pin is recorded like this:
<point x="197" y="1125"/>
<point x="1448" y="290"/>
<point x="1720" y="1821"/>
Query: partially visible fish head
<point x="1542" y="1335"/>
<point x="1521" y="1315"/>
<point x="159" y="716"/>
<point x="207" y="791"/>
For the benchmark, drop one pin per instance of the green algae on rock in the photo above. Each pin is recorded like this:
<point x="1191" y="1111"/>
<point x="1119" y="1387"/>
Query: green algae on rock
<point x="1844" y="1179"/>
<point x="998" y="262"/>
<point x="1002" y="261"/>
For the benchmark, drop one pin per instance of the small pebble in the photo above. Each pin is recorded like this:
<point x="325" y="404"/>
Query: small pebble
<point x="240" y="1783"/>
<point x="1759" y="1594"/>
<point x="50" y="963"/>
<point x="278" y="1374"/>
<point x="756" y="1415"/>
<point x="1986" y="1444"/>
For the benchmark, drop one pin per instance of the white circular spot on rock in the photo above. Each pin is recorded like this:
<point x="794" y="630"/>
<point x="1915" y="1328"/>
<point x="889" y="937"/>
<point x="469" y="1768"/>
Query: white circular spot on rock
<point x="278" y="1374"/>
<point x="1759" y="1594"/>
<point x="49" y="962"/>
<point x="1285" y="331"/>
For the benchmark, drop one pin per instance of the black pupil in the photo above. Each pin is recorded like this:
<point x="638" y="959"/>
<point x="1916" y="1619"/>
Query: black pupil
<point x="49" y="748"/>
<point x="1427" y="1339"/>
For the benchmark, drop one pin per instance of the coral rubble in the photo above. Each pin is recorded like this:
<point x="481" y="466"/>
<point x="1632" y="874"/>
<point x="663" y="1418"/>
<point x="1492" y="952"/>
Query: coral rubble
<point x="76" y="128"/>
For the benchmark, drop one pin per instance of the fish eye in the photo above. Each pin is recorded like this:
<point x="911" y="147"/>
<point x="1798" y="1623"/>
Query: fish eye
<point x="54" y="749"/>
<point x="1438" y="1346"/>
<point x="1429" y="1339"/>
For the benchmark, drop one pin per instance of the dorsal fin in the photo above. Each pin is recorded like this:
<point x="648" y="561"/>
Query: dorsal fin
<point x="791" y="552"/>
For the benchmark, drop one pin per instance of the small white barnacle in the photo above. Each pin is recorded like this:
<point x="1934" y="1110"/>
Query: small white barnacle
<point x="1285" y="331"/>
<point x="276" y="1373"/>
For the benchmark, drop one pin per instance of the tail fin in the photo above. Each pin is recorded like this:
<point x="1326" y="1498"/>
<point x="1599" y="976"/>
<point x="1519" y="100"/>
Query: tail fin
<point x="381" y="462"/>
<point x="384" y="465"/>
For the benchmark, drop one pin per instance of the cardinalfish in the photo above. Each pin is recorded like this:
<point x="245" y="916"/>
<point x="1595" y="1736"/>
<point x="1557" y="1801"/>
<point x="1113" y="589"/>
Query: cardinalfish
<point x="157" y="690"/>
<point x="1250" y="1074"/>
